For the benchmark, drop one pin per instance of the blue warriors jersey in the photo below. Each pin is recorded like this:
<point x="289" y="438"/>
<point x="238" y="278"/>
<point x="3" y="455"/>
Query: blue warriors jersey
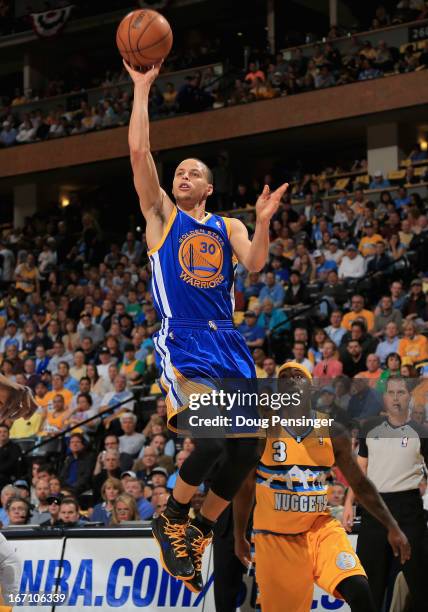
<point x="193" y="269"/>
<point x="193" y="274"/>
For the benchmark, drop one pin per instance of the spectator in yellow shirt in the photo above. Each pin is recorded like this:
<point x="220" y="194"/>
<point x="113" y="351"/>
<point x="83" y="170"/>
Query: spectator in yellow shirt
<point x="59" y="389"/>
<point x="414" y="346"/>
<point x="358" y="312"/>
<point x="27" y="276"/>
<point x="367" y="246"/>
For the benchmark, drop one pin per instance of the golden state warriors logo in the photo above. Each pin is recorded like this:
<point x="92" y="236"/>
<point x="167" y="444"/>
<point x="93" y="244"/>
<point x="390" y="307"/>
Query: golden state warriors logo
<point x="201" y="259"/>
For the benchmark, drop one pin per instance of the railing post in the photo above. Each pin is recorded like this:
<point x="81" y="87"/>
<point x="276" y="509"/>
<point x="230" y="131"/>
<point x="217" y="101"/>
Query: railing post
<point x="271" y="24"/>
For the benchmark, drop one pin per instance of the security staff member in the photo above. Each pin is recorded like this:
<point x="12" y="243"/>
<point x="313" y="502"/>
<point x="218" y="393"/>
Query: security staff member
<point x="392" y="452"/>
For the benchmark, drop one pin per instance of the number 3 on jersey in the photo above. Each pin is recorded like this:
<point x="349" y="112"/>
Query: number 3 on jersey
<point x="281" y="451"/>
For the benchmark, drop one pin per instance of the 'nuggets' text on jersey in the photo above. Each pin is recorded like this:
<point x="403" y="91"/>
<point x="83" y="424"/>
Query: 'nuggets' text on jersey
<point x="291" y="488"/>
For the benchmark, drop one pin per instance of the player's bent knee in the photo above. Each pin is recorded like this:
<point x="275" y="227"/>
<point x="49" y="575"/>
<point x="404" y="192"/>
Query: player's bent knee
<point x="355" y="590"/>
<point x="196" y="467"/>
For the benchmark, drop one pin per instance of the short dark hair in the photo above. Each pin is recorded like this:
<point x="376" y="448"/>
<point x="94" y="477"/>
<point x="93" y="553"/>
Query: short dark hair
<point x="111" y="435"/>
<point x="359" y="324"/>
<point x="69" y="501"/>
<point x="80" y="436"/>
<point x="390" y="355"/>
<point x="87" y="396"/>
<point x="208" y="171"/>
<point x="46" y="467"/>
<point x="160" y="434"/>
<point x="300" y="342"/>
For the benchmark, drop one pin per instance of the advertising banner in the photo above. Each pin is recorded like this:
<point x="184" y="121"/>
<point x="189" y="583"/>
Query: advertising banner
<point x="102" y="574"/>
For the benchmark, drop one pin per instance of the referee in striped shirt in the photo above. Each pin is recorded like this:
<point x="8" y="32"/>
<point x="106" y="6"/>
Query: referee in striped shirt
<point x="393" y="451"/>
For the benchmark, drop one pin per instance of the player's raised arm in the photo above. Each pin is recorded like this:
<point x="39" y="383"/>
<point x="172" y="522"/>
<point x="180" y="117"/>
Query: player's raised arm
<point x="153" y="200"/>
<point x="253" y="254"/>
<point x="366" y="493"/>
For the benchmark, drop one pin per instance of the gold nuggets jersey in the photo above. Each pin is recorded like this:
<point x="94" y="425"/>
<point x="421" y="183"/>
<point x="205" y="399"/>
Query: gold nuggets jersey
<point x="291" y="492"/>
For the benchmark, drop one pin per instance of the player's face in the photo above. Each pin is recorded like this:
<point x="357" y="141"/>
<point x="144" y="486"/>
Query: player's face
<point x="190" y="183"/>
<point x="293" y="380"/>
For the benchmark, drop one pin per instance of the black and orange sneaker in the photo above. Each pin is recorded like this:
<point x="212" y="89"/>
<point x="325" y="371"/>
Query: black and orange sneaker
<point x="196" y="543"/>
<point x="170" y="535"/>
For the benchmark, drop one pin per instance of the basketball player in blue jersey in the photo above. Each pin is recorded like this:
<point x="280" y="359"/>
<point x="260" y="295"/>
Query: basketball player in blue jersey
<point x="193" y="255"/>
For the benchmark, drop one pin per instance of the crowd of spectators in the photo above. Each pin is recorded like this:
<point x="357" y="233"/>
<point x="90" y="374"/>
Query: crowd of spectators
<point x="269" y="77"/>
<point x="265" y="77"/>
<point x="196" y="93"/>
<point x="394" y="13"/>
<point x="76" y="325"/>
<point x="332" y="189"/>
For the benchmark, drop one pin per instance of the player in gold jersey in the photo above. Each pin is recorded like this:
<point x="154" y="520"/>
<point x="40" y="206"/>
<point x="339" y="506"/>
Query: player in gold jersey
<point x="297" y="542"/>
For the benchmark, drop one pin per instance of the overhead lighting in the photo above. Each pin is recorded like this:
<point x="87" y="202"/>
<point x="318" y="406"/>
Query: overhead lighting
<point x="239" y="33"/>
<point x="64" y="202"/>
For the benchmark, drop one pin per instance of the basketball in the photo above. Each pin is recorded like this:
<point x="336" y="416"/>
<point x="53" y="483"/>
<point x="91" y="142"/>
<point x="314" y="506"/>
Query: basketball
<point x="144" y="37"/>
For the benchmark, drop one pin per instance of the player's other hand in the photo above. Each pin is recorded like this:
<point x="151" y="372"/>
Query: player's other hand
<point x="348" y="518"/>
<point x="399" y="544"/>
<point x="16" y="401"/>
<point x="143" y="75"/>
<point x="268" y="202"/>
<point x="243" y="551"/>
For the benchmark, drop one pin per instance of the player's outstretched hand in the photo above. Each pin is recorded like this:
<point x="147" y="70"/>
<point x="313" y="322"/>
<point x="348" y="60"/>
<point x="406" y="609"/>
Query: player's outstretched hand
<point x="15" y="400"/>
<point x="143" y="75"/>
<point x="243" y="551"/>
<point x="267" y="202"/>
<point x="399" y="544"/>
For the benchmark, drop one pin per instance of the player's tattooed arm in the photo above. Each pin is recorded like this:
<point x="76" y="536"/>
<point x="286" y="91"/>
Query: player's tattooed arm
<point x="254" y="253"/>
<point x="153" y="200"/>
<point x="365" y="491"/>
<point x="243" y="503"/>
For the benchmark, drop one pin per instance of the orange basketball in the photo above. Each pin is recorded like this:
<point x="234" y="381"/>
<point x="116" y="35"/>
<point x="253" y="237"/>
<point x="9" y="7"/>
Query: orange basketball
<point x="144" y="37"/>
